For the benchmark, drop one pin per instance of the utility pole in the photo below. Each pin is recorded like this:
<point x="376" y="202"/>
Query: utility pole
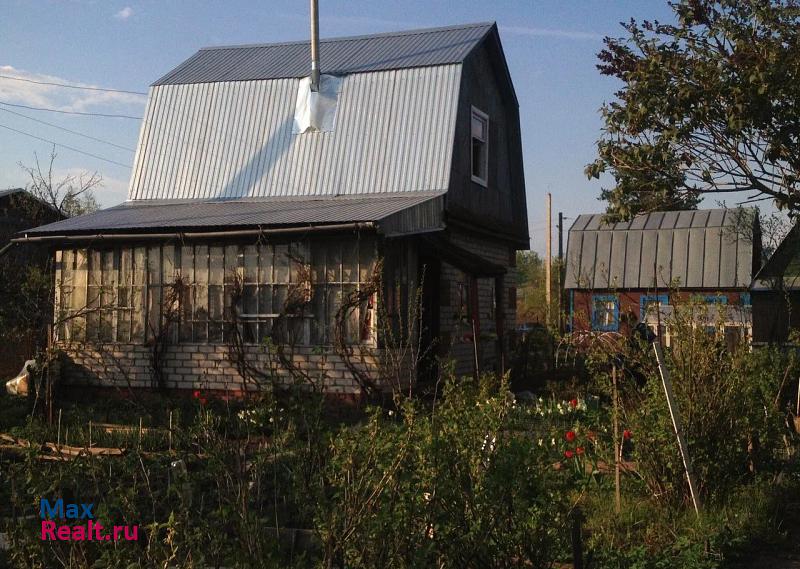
<point x="560" y="275"/>
<point x="548" y="261"/>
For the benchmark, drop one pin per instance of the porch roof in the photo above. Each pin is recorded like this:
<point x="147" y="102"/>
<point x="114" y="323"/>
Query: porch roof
<point x="393" y="214"/>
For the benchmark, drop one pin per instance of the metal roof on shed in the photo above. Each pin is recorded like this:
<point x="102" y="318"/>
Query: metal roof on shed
<point x="377" y="52"/>
<point x="399" y="214"/>
<point x="687" y="249"/>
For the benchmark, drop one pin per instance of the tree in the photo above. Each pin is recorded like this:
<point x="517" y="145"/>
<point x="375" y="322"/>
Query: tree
<point x="708" y="105"/>
<point x="71" y="195"/>
<point x="531" y="295"/>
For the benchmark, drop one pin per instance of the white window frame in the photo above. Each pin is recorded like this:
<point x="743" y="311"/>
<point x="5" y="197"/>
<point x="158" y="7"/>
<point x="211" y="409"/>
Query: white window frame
<point x="476" y="112"/>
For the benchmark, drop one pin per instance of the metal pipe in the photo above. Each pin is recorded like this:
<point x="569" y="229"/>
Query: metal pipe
<point x="314" y="46"/>
<point x="195" y="235"/>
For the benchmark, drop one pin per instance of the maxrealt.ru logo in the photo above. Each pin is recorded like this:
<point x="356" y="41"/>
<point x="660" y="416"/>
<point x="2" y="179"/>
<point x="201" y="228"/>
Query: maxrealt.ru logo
<point x="79" y="524"/>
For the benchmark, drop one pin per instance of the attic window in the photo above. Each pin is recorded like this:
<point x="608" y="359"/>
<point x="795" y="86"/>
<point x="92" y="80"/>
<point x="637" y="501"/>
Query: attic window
<point x="480" y="147"/>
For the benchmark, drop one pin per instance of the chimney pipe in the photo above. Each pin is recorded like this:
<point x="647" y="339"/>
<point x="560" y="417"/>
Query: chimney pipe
<point x="314" y="46"/>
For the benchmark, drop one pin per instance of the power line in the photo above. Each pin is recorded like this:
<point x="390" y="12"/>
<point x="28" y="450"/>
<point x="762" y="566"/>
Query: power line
<point x="78" y="150"/>
<point x="72" y="86"/>
<point x="70" y="112"/>
<point x="68" y="130"/>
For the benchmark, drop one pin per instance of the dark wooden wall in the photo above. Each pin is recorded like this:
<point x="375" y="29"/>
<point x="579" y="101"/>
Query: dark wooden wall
<point x="500" y="207"/>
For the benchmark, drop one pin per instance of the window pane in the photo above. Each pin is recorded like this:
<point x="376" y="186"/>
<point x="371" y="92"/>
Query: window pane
<point x="217" y="266"/>
<point x="366" y="261"/>
<point x="201" y="264"/>
<point x="168" y="268"/>
<point x="478" y="127"/>
<point x="350" y="261"/>
<point x="265" y="258"/>
<point x="333" y="269"/>
<point x="319" y="253"/>
<point x="265" y="300"/>
<point x="231" y="263"/>
<point x="320" y="318"/>
<point x="251" y="264"/>
<point x="281" y="274"/>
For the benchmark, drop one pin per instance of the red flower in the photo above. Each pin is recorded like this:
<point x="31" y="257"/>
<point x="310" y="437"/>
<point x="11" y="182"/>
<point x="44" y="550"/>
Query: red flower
<point x="626" y="434"/>
<point x="196" y="394"/>
<point x="579" y="450"/>
<point x="569" y="453"/>
<point x="573" y="403"/>
<point x="570" y="436"/>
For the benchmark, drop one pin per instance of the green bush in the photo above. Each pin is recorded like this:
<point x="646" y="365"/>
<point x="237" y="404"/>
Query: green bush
<point x="464" y="484"/>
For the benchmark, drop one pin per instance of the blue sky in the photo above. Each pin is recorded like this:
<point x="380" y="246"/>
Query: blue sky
<point x="551" y="48"/>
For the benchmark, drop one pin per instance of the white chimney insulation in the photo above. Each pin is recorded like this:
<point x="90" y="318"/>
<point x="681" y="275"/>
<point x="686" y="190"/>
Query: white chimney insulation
<point x="315" y="111"/>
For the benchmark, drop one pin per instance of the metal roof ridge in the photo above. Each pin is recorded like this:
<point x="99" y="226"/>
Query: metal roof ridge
<point x="399" y="33"/>
<point x="285" y="198"/>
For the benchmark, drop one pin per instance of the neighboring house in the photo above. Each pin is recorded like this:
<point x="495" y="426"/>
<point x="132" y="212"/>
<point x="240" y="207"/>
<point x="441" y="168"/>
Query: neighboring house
<point x="19" y="210"/>
<point x="271" y="204"/>
<point x="776" y="293"/>
<point x="622" y="274"/>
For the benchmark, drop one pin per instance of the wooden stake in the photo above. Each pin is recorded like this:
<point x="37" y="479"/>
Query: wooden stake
<point x="797" y="414"/>
<point x="617" y="449"/>
<point x="170" y="431"/>
<point x="676" y="423"/>
<point x="140" y="432"/>
<point x="59" y="428"/>
<point x="90" y="433"/>
<point x="548" y="260"/>
<point x="475" y="349"/>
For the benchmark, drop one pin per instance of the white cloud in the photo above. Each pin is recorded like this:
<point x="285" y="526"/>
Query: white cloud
<point x="52" y="96"/>
<point x="550" y="32"/>
<point x="124" y="14"/>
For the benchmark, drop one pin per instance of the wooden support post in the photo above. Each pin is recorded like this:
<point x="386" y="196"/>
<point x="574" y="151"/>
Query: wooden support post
<point x="577" y="540"/>
<point x="674" y="412"/>
<point x="548" y="261"/>
<point x="617" y="446"/>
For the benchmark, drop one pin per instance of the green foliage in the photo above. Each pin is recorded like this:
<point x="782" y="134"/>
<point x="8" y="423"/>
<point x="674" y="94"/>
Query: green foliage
<point x="707" y="104"/>
<point x="461" y="485"/>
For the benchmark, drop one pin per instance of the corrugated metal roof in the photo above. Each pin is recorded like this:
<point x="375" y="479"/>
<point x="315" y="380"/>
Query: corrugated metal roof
<point x="687" y="249"/>
<point x="394" y="133"/>
<point x="148" y="216"/>
<point x="10" y="191"/>
<point x="377" y="52"/>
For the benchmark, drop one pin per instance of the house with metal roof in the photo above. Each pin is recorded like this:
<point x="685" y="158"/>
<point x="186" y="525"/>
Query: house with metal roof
<point x="267" y="199"/>
<point x="618" y="275"/>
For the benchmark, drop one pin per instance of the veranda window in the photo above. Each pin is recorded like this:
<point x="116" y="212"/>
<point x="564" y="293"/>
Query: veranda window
<point x="120" y="294"/>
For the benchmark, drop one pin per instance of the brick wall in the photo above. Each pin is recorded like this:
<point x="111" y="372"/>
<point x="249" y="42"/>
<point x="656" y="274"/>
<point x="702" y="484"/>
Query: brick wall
<point x="203" y="366"/>
<point x="456" y="332"/>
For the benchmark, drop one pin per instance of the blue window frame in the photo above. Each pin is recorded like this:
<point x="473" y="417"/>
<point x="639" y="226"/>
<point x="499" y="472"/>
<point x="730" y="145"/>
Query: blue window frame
<point x="645" y="299"/>
<point x="715" y="298"/>
<point x="605" y="312"/>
